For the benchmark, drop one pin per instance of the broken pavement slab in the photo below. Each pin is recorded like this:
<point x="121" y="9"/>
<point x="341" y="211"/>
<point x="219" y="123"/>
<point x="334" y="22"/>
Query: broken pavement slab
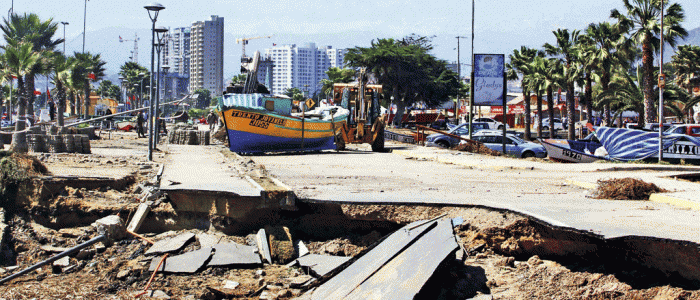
<point x="139" y="216"/>
<point x="319" y="264"/>
<point x="404" y="276"/>
<point x="263" y="245"/>
<point x="229" y="254"/>
<point x="361" y="269"/>
<point x="170" y="244"/>
<point x="189" y="262"/>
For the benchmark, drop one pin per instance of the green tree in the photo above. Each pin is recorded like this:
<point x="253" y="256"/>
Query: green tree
<point x="109" y="90"/>
<point x="30" y="28"/>
<point x="20" y="61"/>
<point x="204" y="98"/>
<point x="686" y="68"/>
<point x="642" y="21"/>
<point x="336" y="75"/>
<point x="520" y="64"/>
<point x="90" y="67"/>
<point x="566" y="50"/>
<point x="407" y="71"/>
<point x="135" y="77"/>
<point x="61" y="67"/>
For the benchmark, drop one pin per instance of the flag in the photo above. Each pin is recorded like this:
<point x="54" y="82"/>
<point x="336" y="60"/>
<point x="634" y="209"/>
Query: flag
<point x="120" y="38"/>
<point x="273" y="44"/>
<point x="92" y="76"/>
<point x="37" y="92"/>
<point x="48" y="93"/>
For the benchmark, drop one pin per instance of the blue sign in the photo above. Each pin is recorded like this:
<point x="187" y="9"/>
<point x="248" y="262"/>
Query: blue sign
<point x="488" y="79"/>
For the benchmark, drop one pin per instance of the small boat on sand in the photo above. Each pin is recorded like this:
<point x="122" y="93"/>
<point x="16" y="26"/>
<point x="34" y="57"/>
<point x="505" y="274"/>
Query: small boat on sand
<point x="571" y="151"/>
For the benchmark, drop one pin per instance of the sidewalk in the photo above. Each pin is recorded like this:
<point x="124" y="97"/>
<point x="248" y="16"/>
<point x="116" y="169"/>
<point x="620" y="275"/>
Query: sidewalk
<point x="684" y="194"/>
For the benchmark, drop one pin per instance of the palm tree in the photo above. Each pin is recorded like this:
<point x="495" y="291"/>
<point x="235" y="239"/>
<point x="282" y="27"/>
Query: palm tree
<point x="642" y="20"/>
<point x="62" y="68"/>
<point x="131" y="72"/>
<point x="606" y="48"/>
<point x="624" y="92"/>
<point x="567" y="51"/>
<point x="519" y="64"/>
<point x="89" y="67"/>
<point x="20" y="61"/>
<point x="30" y="28"/>
<point x="536" y="81"/>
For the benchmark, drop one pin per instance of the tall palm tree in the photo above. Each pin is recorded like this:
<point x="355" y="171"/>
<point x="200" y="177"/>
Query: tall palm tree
<point x="606" y="48"/>
<point x="61" y="68"/>
<point x="642" y="20"/>
<point x="30" y="28"/>
<point x="90" y="67"/>
<point x="131" y="72"/>
<point x="686" y="63"/>
<point x="567" y="51"/>
<point x="536" y="81"/>
<point x="520" y="64"/>
<point x="20" y="60"/>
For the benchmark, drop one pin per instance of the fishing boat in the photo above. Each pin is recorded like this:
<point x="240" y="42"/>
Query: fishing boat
<point x="630" y="145"/>
<point x="571" y="151"/>
<point x="258" y="123"/>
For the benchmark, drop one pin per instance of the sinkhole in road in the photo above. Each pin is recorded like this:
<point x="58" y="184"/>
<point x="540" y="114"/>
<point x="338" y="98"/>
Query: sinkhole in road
<point x="487" y="235"/>
<point x="693" y="177"/>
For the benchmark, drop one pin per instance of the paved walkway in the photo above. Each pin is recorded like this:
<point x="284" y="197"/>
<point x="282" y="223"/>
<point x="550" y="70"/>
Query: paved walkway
<point x="543" y="190"/>
<point x="203" y="168"/>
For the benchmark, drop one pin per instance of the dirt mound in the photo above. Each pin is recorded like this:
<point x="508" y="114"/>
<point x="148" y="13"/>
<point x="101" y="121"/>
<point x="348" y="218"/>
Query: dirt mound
<point x="626" y="189"/>
<point x="476" y="147"/>
<point x="16" y="168"/>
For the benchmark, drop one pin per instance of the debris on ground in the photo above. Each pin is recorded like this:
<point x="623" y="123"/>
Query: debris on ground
<point x="626" y="189"/>
<point x="476" y="147"/>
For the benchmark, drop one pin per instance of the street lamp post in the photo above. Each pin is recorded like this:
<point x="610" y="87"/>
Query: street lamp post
<point x="84" y="24"/>
<point x="121" y="90"/>
<point x="64" y="36"/>
<point x="155" y="8"/>
<point x="662" y="84"/>
<point x="160" y="34"/>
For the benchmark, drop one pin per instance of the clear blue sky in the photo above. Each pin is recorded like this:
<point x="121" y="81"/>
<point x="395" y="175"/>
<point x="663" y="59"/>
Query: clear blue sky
<point x="500" y="25"/>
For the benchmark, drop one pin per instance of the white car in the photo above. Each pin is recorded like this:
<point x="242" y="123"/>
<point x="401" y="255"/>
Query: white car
<point x="493" y="124"/>
<point x="558" y="125"/>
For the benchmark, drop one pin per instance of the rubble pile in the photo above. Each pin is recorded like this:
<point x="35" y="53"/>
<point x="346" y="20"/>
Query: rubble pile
<point x="626" y="189"/>
<point x="184" y="134"/>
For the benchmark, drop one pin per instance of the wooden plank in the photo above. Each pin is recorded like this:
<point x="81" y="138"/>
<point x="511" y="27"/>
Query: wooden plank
<point x="347" y="280"/>
<point x="404" y="276"/>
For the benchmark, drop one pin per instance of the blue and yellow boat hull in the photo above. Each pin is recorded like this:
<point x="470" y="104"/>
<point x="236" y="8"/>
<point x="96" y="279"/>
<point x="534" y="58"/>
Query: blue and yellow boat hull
<point x="254" y="131"/>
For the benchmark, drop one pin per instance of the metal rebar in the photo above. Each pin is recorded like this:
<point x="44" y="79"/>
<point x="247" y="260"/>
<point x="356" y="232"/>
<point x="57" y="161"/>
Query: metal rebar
<point x="53" y="258"/>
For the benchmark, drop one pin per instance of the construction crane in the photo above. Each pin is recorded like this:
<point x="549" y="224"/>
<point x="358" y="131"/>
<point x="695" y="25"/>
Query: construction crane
<point x="244" y="41"/>
<point x="135" y="54"/>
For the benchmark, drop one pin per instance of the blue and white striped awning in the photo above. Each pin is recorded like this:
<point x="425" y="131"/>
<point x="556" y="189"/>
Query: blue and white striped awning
<point x="630" y="144"/>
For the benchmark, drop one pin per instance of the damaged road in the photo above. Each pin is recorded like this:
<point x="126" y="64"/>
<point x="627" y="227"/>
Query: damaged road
<point x="212" y="253"/>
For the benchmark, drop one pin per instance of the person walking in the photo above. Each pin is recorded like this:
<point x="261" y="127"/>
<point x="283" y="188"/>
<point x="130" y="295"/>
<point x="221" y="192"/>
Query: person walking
<point x="211" y="120"/>
<point x="52" y="110"/>
<point x="139" y="125"/>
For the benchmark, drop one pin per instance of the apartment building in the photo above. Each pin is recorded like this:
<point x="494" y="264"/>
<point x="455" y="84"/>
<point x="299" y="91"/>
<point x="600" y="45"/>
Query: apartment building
<point x="207" y="55"/>
<point x="302" y="67"/>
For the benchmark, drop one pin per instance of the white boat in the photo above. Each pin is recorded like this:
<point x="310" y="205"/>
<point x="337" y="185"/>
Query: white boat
<point x="571" y="151"/>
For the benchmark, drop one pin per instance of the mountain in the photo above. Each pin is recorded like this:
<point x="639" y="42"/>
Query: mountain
<point x="692" y="39"/>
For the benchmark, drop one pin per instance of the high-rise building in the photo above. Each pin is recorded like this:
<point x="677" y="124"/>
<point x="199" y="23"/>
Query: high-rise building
<point x="207" y="55"/>
<point x="177" y="51"/>
<point x="302" y="67"/>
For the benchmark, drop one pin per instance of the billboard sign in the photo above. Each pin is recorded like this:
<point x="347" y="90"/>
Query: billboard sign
<point x="488" y="79"/>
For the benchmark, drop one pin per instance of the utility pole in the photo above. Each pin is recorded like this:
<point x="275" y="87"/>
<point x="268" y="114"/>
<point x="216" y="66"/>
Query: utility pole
<point x="662" y="85"/>
<point x="471" y="83"/>
<point x="459" y="74"/>
<point x="84" y="24"/>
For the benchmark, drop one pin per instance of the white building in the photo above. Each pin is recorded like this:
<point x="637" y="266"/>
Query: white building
<point x="207" y="55"/>
<point x="176" y="53"/>
<point x="302" y="67"/>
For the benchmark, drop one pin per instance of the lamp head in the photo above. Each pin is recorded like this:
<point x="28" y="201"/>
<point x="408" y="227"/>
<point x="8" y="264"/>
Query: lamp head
<point x="154" y="6"/>
<point x="161" y="29"/>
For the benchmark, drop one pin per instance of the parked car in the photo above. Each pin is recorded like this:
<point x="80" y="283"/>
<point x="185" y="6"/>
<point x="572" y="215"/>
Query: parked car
<point x="689" y="129"/>
<point x="558" y="124"/>
<point x="493" y="124"/>
<point x="446" y="141"/>
<point x="514" y="145"/>
<point x="655" y="126"/>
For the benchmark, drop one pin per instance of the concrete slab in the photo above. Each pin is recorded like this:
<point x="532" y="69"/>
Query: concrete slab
<point x="208" y="240"/>
<point x="263" y="245"/>
<point x="189" y="262"/>
<point x="229" y="254"/>
<point x="539" y="189"/>
<point x="321" y="265"/>
<point x="170" y="244"/>
<point x="203" y="168"/>
<point x="139" y="217"/>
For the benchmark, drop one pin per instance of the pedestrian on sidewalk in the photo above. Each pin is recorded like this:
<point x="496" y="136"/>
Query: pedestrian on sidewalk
<point x="139" y="125"/>
<point x="211" y="120"/>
